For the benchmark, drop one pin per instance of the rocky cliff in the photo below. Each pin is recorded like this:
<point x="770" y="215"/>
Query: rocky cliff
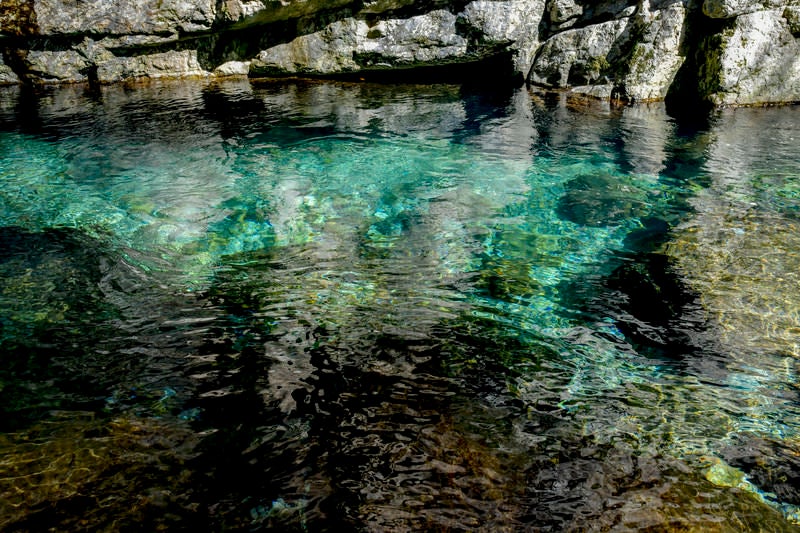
<point x="716" y="52"/>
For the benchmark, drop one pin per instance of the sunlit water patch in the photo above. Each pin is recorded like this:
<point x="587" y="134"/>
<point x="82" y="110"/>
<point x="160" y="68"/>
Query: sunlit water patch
<point x="316" y="306"/>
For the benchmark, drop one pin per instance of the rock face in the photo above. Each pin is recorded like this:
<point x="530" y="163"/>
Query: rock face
<point x="712" y="52"/>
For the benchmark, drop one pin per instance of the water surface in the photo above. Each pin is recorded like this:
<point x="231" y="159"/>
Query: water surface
<point x="328" y="306"/>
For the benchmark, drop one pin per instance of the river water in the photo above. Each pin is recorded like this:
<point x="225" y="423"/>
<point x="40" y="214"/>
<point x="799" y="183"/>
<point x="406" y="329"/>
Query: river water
<point x="312" y="306"/>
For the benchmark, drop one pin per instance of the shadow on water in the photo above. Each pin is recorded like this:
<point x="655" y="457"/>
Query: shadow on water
<point x="318" y="306"/>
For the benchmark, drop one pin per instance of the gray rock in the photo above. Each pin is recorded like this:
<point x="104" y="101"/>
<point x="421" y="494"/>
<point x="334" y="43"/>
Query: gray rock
<point x="578" y="57"/>
<point x="7" y="76"/>
<point x="563" y="12"/>
<point x="604" y="48"/>
<point x="325" y="52"/>
<point x="756" y="61"/>
<point x="159" y="65"/>
<point x="122" y="17"/>
<point x="513" y="24"/>
<point x="792" y="16"/>
<point x="57" y="66"/>
<point x="656" y="56"/>
<point x="350" y="45"/>
<point x="244" y="13"/>
<point x="723" y="9"/>
<point x="560" y="15"/>
<point x="233" y="68"/>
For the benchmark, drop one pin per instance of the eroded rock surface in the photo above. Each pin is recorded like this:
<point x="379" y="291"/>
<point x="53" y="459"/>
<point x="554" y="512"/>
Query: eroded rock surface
<point x="695" y="52"/>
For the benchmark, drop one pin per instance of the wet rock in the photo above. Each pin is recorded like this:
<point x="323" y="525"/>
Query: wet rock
<point x="771" y="465"/>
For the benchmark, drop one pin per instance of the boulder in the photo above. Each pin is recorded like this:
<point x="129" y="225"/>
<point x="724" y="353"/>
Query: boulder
<point x="66" y="66"/>
<point x="513" y="24"/>
<point x="656" y="55"/>
<point x="580" y="56"/>
<point x="7" y="76"/>
<point x="173" y="63"/>
<point x="103" y="17"/>
<point x="352" y="45"/>
<point x="755" y="60"/>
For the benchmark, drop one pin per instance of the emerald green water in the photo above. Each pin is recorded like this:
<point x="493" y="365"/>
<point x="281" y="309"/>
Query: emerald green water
<point x="328" y="306"/>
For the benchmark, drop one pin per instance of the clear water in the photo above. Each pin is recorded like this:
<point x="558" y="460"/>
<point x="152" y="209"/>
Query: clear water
<point x="323" y="306"/>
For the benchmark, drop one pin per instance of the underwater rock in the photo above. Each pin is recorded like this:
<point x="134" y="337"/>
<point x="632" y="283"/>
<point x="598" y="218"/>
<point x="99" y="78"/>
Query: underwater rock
<point x="745" y="272"/>
<point x="602" y="199"/>
<point x="771" y="465"/>
<point x="75" y="471"/>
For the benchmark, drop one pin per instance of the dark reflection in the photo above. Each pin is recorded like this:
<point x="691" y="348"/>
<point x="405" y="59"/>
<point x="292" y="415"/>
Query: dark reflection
<point x="309" y="306"/>
<point x="50" y="296"/>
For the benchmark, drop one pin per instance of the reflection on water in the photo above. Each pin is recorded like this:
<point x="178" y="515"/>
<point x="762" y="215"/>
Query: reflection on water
<point x="311" y="306"/>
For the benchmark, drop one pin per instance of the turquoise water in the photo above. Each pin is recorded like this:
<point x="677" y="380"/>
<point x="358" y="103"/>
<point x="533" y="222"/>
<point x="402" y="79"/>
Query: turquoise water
<point x="322" y="305"/>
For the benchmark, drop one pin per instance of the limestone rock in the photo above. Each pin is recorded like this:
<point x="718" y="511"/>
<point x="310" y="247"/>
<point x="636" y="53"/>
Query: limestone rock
<point x="233" y="68"/>
<point x="792" y="16"/>
<point x="7" y="76"/>
<point x="560" y="15"/>
<point x="578" y="57"/>
<point x="513" y="24"/>
<point x="637" y="50"/>
<point x="723" y="9"/>
<point x="351" y="45"/>
<point x="656" y="57"/>
<point x="66" y="66"/>
<point x="104" y="17"/>
<point x="325" y="52"/>
<point x="757" y="60"/>
<point x="159" y="65"/>
<point x="246" y="13"/>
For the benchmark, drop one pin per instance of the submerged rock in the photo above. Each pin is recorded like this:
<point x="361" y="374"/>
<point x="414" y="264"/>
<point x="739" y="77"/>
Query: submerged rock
<point x="746" y="275"/>
<point x="603" y="199"/>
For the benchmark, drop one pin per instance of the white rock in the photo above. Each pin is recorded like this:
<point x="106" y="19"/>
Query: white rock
<point x="166" y="64"/>
<point x="656" y="57"/>
<point x="758" y="61"/>
<point x="733" y="8"/>
<point x="7" y="76"/>
<point x="514" y="23"/>
<point x="233" y="68"/>
<point x="577" y="57"/>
